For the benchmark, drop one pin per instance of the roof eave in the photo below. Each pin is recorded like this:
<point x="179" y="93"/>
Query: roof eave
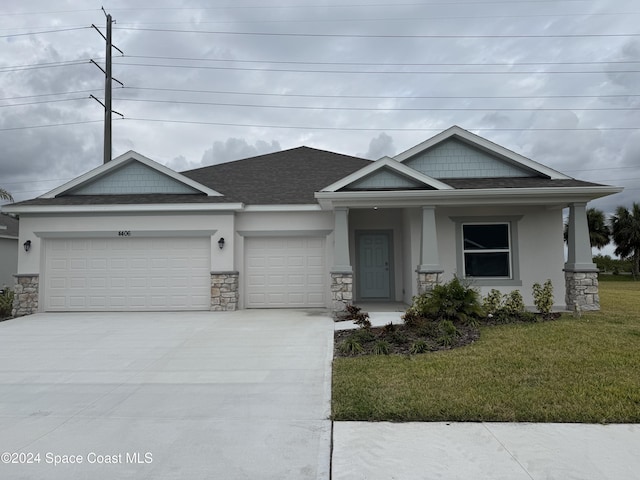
<point x="476" y="197"/>
<point x="125" y="208"/>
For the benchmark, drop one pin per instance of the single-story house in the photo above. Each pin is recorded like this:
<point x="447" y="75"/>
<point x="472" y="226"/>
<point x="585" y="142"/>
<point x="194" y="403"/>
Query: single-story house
<point x="8" y="249"/>
<point x="305" y="228"/>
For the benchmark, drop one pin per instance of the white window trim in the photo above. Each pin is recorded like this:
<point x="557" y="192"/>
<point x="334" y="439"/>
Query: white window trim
<point x="507" y="250"/>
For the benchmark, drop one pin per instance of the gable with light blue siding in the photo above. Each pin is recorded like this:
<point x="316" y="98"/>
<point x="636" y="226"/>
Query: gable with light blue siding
<point x="133" y="178"/>
<point x="455" y="159"/>
<point x="385" y="178"/>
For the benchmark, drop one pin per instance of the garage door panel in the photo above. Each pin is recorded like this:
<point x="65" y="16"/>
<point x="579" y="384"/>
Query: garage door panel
<point x="127" y="274"/>
<point x="285" y="272"/>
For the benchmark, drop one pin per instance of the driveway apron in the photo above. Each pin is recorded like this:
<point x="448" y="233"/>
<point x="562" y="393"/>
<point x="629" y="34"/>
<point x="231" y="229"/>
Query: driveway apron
<point x="237" y="395"/>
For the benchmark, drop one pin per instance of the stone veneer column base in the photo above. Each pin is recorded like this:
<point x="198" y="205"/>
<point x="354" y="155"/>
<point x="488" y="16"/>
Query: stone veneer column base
<point x="224" y="291"/>
<point x="341" y="290"/>
<point x="581" y="291"/>
<point x="26" y="291"/>
<point x="427" y="280"/>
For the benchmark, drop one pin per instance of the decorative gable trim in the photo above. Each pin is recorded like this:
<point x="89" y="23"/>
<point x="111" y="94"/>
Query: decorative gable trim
<point x="390" y="164"/>
<point x="485" y="145"/>
<point x="131" y="156"/>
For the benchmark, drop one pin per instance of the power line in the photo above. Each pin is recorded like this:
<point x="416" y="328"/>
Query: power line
<point x="393" y="129"/>
<point x="37" y="67"/>
<point x="44" y="101"/>
<point x="26" y="127"/>
<point x="44" y="31"/>
<point x="360" y="64"/>
<point x="353" y="35"/>
<point x="408" y="97"/>
<point x="390" y="19"/>
<point x="354" y="5"/>
<point x="402" y="109"/>
<point x="376" y="72"/>
<point x="50" y="94"/>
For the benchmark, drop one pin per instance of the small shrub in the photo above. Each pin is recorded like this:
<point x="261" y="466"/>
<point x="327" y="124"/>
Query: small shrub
<point x="412" y="318"/>
<point x="529" y="317"/>
<point x="351" y="346"/>
<point x="389" y="328"/>
<point x="359" y="318"/>
<point x="419" y="347"/>
<point x="362" y="320"/>
<point x="493" y="301"/>
<point x="543" y="297"/>
<point x="6" y="303"/>
<point x="514" y="303"/>
<point x="398" y="337"/>
<point x="450" y="301"/>
<point x="429" y="330"/>
<point x="363" y="335"/>
<point x="447" y="333"/>
<point x="381" y="347"/>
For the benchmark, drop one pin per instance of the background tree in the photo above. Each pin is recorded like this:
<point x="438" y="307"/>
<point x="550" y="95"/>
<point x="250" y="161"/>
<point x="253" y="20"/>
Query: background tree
<point x="4" y="195"/>
<point x="625" y="232"/>
<point x="599" y="233"/>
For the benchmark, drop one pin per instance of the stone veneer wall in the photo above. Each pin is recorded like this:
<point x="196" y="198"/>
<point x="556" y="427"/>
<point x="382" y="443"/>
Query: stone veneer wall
<point x="581" y="291"/>
<point x="427" y="280"/>
<point x="26" y="291"/>
<point x="224" y="291"/>
<point x="341" y="290"/>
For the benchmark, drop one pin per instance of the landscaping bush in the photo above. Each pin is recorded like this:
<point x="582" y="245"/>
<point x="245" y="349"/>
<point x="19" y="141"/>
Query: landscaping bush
<point x="543" y="297"/>
<point x="6" y="303"/>
<point x="451" y="301"/>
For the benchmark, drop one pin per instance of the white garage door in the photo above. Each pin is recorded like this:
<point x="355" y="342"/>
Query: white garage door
<point x="110" y="274"/>
<point x="285" y="272"/>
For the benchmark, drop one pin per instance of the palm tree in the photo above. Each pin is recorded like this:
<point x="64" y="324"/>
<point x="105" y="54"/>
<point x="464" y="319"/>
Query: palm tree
<point x="599" y="233"/>
<point x="625" y="231"/>
<point x="4" y="195"/>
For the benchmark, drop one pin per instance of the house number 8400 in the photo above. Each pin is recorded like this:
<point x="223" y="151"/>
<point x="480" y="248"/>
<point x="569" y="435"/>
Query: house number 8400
<point x="124" y="233"/>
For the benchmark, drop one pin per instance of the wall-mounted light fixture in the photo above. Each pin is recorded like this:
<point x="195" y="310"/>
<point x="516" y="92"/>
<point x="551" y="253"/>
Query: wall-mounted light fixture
<point x="221" y="243"/>
<point x="27" y="245"/>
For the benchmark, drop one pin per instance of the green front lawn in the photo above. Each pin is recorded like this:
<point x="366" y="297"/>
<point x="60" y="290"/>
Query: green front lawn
<point x="570" y="370"/>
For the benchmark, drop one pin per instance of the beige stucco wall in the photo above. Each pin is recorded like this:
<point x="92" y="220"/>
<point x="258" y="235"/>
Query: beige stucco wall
<point x="540" y="246"/>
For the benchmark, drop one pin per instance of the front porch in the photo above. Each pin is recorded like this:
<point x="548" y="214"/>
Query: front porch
<point x="383" y="257"/>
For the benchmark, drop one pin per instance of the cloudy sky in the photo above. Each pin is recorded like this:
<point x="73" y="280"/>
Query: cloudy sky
<point x="211" y="81"/>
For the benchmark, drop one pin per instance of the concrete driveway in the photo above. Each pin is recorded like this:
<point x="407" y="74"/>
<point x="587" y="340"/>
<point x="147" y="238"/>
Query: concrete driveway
<point x="238" y="395"/>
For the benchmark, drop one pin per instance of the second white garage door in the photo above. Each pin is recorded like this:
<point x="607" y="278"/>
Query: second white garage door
<point x="111" y="274"/>
<point x="286" y="272"/>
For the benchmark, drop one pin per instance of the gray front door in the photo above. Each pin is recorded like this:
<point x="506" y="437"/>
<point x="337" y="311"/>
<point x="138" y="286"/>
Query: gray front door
<point x="374" y="265"/>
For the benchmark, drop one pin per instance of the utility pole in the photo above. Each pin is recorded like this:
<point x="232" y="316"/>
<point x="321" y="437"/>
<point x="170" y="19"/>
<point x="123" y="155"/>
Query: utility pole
<point x="107" y="87"/>
<point x="107" y="95"/>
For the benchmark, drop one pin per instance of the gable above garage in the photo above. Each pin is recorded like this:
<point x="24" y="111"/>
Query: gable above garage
<point x="131" y="174"/>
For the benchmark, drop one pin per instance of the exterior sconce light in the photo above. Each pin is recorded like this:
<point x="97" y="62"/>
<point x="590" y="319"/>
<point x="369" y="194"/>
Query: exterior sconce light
<point x="221" y="243"/>
<point x="27" y="245"/>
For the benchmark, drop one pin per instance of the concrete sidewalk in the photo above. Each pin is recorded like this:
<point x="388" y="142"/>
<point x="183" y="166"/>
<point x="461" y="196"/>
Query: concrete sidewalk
<point x="479" y="451"/>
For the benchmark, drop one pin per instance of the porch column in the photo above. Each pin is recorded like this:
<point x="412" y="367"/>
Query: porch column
<point x="429" y="269"/>
<point x="341" y="273"/>
<point x="581" y="274"/>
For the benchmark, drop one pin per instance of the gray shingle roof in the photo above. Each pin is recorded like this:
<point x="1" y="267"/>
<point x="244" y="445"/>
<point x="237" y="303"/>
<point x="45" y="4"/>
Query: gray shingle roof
<point x="287" y="177"/>
<point x="281" y="178"/>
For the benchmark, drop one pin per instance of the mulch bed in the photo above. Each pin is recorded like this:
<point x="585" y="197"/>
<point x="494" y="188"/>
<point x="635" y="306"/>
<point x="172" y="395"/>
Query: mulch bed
<point x="401" y="338"/>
